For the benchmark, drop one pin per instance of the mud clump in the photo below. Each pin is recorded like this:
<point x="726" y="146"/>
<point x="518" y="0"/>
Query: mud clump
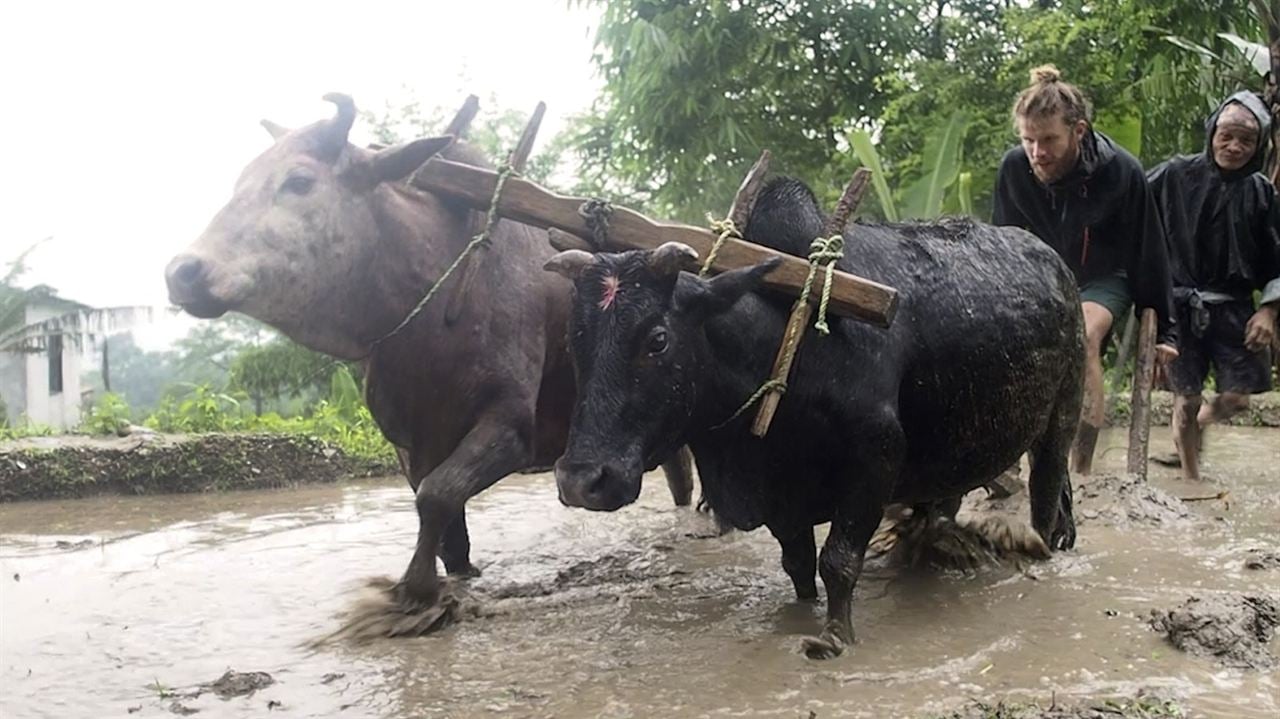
<point x="1233" y="629"/>
<point x="1142" y="707"/>
<point x="1259" y="560"/>
<point x="1127" y="501"/>
<point x="238" y="684"/>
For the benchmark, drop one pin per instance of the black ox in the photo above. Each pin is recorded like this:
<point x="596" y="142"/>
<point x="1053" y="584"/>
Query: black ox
<point x="982" y="364"/>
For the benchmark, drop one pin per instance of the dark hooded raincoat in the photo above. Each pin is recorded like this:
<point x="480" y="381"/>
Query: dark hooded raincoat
<point x="1100" y="217"/>
<point x="1223" y="227"/>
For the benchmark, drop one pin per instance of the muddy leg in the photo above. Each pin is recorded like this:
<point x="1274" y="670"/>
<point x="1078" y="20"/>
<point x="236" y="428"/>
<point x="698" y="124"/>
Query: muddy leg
<point x="800" y="562"/>
<point x="488" y="453"/>
<point x="679" y="471"/>
<point x="840" y="564"/>
<point x="1097" y="322"/>
<point x="1049" y="484"/>
<point x="1186" y="433"/>
<point x="455" y="548"/>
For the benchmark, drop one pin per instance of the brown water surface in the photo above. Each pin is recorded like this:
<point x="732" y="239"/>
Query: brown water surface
<point x="615" y="615"/>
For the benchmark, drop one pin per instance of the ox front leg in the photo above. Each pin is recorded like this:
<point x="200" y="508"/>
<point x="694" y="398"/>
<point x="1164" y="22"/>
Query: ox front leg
<point x="840" y="564"/>
<point x="800" y="562"/>
<point x="855" y="521"/>
<point x="488" y="453"/>
<point x="455" y="550"/>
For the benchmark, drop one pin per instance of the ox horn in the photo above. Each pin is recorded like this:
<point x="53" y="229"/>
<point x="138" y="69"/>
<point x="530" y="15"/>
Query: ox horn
<point x="671" y="257"/>
<point x="333" y="134"/>
<point x="277" y="131"/>
<point x="570" y="263"/>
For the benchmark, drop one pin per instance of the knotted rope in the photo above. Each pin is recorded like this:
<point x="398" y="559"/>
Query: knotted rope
<point x="480" y="240"/>
<point x="725" y="229"/>
<point x="823" y="254"/>
<point x="595" y="212"/>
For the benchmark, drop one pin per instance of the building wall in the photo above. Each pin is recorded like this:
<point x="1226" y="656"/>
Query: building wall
<point x="13" y="385"/>
<point x="59" y="410"/>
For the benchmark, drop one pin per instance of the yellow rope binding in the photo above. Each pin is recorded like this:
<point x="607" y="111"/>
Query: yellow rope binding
<point x="726" y="229"/>
<point x="824" y="252"/>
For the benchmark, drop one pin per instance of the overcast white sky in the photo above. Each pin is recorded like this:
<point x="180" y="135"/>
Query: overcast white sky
<point x="126" y="123"/>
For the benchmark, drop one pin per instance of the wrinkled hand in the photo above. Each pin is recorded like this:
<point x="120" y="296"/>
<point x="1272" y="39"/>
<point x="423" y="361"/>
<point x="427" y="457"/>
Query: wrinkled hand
<point x="1260" y="332"/>
<point x="1165" y="355"/>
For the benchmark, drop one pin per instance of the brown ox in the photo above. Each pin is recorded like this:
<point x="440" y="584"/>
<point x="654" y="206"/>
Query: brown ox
<point x="326" y="242"/>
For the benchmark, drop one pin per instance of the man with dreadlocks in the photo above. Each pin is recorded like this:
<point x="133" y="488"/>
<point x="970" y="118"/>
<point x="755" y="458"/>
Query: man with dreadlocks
<point x="1222" y="221"/>
<point x="1081" y="193"/>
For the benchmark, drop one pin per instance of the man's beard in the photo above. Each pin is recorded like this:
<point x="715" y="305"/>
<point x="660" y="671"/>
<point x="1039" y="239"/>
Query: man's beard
<point x="1062" y="166"/>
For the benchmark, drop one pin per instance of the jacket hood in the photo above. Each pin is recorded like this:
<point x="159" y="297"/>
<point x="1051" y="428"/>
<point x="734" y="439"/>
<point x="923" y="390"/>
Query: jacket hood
<point x="1096" y="151"/>
<point x="1255" y="106"/>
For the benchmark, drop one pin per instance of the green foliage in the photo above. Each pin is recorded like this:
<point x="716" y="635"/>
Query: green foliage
<point x="341" y="418"/>
<point x="694" y="89"/>
<point x="866" y="150"/>
<point x="924" y="198"/>
<point x="23" y="429"/>
<point x="109" y="414"/>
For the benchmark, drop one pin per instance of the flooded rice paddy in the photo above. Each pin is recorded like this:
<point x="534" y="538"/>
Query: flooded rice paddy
<point x="137" y="606"/>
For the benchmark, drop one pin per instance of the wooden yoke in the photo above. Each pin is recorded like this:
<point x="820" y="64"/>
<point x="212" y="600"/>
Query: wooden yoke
<point x="517" y="160"/>
<point x="526" y="202"/>
<point x="803" y="310"/>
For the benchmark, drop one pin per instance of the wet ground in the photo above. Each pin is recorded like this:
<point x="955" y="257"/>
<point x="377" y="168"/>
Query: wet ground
<point x="140" y="606"/>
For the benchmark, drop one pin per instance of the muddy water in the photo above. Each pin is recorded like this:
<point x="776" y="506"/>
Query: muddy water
<point x="584" y="614"/>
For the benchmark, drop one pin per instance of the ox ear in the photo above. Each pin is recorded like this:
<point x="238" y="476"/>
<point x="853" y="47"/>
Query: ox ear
<point x="570" y="263"/>
<point x="398" y="162"/>
<point x="277" y="131"/>
<point x="706" y="298"/>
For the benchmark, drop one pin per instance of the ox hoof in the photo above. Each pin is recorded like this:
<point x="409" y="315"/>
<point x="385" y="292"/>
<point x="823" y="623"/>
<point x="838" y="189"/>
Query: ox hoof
<point x="827" y="645"/>
<point x="470" y="571"/>
<point x="1064" y="535"/>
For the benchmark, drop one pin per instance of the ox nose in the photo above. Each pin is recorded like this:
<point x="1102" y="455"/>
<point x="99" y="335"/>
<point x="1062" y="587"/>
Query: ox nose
<point x="185" y="276"/>
<point x="599" y="486"/>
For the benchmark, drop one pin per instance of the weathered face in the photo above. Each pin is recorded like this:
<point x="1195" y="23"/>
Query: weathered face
<point x="641" y="357"/>
<point x="1051" y="145"/>
<point x="1235" y="138"/>
<point x="298" y="230"/>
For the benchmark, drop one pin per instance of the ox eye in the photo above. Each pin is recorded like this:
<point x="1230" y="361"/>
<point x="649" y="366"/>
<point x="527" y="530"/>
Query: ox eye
<point x="657" y="342"/>
<point x="298" y="184"/>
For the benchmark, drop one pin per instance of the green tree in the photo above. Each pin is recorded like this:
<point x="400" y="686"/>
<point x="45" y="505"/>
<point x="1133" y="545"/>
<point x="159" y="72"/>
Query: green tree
<point x="695" y="89"/>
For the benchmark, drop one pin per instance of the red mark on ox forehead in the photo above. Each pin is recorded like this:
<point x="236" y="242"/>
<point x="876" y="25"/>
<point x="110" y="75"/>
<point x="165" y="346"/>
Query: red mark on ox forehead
<point x="608" y="291"/>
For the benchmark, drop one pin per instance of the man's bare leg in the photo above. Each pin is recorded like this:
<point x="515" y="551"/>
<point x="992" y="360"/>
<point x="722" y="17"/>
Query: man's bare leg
<point x="1186" y="434"/>
<point x="1097" y="322"/>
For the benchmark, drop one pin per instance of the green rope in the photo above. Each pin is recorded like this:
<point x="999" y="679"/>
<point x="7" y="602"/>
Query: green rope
<point x="772" y="384"/>
<point x="480" y="240"/>
<point x="726" y="229"/>
<point x="823" y="252"/>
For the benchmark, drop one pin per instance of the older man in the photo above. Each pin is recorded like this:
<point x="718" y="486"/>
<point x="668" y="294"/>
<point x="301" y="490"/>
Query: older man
<point x="1222" y="221"/>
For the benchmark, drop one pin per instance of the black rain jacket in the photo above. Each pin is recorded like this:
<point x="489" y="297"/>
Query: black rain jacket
<point x="1100" y="218"/>
<point x="1223" y="227"/>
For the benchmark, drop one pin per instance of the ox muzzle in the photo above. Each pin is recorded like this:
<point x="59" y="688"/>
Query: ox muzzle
<point x="598" y="485"/>
<point x="187" y="277"/>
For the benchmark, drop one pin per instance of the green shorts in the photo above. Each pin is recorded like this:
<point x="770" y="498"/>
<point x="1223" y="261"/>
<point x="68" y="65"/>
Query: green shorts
<point x="1111" y="292"/>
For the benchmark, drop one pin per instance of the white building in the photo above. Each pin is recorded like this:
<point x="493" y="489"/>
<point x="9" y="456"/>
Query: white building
<point x="41" y="385"/>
